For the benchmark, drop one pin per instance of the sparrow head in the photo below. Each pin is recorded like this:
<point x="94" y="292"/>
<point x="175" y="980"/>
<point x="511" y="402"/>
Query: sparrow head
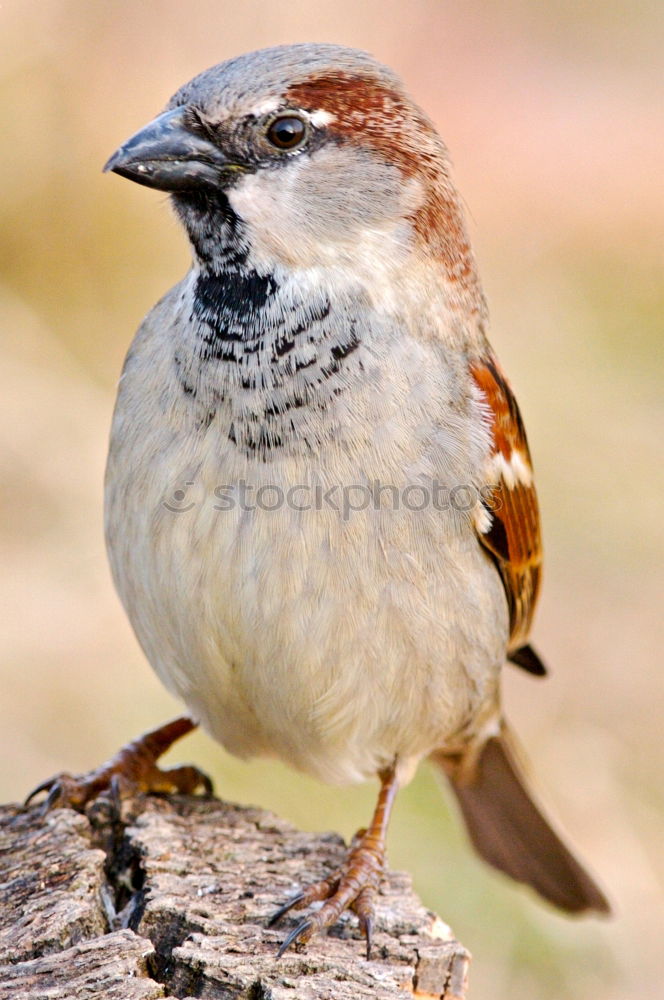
<point x="312" y="155"/>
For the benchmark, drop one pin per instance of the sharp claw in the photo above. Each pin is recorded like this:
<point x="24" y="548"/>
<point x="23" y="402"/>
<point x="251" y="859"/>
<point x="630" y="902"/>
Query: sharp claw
<point x="283" y="910"/>
<point x="54" y="793"/>
<point x="115" y="792"/>
<point x="367" y="925"/>
<point x="53" y="796"/>
<point x="295" y="935"/>
<point x="44" y="787"/>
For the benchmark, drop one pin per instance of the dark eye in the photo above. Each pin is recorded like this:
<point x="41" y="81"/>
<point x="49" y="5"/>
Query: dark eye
<point x="288" y="132"/>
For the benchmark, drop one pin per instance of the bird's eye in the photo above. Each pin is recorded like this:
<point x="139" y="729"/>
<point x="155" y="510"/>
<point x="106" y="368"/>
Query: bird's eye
<point x="287" y="132"/>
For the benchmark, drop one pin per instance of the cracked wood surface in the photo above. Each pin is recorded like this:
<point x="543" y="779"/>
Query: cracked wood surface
<point x="173" y="902"/>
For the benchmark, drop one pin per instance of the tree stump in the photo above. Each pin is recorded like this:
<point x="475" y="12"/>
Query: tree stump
<point x="173" y="900"/>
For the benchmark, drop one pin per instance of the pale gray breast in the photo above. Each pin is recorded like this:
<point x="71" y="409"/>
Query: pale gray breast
<point x="262" y="382"/>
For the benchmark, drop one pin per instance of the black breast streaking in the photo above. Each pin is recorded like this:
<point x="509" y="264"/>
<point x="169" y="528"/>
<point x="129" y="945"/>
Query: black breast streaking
<point x="266" y="360"/>
<point x="229" y="304"/>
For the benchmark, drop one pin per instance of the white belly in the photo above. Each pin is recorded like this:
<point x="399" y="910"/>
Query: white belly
<point x="335" y="644"/>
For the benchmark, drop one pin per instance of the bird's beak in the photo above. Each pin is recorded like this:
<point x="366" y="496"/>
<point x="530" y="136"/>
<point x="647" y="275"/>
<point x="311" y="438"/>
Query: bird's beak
<point x="169" y="155"/>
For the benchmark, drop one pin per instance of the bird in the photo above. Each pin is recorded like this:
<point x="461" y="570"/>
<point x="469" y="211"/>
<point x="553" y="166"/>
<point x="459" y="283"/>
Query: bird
<point x="320" y="510"/>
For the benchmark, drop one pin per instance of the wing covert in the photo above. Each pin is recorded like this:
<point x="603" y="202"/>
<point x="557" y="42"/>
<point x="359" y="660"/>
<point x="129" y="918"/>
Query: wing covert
<point x="511" y="533"/>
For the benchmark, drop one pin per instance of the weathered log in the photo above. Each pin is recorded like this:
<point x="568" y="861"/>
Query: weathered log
<point x="173" y="901"/>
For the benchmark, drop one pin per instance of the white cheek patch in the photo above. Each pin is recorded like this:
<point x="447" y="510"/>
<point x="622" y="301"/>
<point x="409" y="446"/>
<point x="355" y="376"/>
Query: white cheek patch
<point x="300" y="216"/>
<point x="260" y="198"/>
<point x="264" y="202"/>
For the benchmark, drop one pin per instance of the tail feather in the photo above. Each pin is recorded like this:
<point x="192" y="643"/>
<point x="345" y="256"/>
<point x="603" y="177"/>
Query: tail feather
<point x="509" y="831"/>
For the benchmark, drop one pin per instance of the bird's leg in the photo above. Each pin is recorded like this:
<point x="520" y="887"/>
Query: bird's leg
<point x="352" y="886"/>
<point x="131" y="771"/>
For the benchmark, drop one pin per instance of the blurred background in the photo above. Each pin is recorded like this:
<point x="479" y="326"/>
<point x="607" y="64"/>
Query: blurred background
<point x="554" y="116"/>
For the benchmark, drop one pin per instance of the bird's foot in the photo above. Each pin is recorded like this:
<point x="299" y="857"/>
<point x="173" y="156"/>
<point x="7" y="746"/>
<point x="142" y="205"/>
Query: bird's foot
<point x="353" y="886"/>
<point x="131" y="772"/>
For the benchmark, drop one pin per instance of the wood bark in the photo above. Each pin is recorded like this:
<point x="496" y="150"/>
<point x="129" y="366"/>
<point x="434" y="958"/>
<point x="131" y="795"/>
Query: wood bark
<point x="171" y="900"/>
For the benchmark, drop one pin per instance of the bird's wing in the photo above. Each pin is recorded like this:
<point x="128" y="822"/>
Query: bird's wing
<point x="511" y="531"/>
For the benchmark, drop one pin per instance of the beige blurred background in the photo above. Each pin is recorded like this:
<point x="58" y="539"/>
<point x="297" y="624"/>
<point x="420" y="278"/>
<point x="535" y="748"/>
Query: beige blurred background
<point x="554" y="116"/>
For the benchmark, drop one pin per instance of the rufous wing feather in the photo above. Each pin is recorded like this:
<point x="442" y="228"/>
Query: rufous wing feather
<point x="510" y="533"/>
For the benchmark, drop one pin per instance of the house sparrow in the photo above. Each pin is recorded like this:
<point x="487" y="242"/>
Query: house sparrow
<point x="295" y="424"/>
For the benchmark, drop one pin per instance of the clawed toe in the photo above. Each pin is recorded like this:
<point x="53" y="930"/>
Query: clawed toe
<point x="132" y="772"/>
<point x="351" y="887"/>
<point x="367" y="925"/>
<point x="365" y="908"/>
<point x="65" y="790"/>
<point x="46" y="786"/>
